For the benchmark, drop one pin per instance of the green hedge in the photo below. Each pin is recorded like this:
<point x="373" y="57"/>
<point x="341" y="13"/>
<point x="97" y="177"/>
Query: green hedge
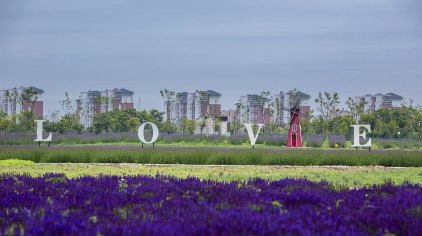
<point x="209" y="156"/>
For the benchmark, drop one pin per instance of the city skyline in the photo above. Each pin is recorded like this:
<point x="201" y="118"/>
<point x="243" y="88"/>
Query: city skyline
<point x="122" y="99"/>
<point x="235" y="48"/>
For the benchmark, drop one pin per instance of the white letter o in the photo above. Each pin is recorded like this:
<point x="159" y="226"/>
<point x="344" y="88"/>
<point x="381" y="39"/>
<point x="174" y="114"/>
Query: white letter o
<point x="155" y="132"/>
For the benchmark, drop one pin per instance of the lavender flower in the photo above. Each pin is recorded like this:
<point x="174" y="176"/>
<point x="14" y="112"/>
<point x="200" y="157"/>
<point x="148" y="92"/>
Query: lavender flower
<point x="163" y="205"/>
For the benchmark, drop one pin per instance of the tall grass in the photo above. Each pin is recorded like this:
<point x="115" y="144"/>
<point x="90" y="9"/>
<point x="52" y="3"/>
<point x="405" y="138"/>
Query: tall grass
<point x="311" y="140"/>
<point x="90" y="138"/>
<point x="202" y="156"/>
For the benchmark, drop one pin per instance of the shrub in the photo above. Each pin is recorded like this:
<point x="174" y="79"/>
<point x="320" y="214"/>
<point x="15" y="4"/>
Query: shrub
<point x="215" y="156"/>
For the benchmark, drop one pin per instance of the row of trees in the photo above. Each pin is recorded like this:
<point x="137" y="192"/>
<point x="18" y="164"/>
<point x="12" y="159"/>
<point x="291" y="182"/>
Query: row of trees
<point x="108" y="121"/>
<point x="125" y="120"/>
<point x="398" y="122"/>
<point x="405" y="121"/>
<point x="19" y="121"/>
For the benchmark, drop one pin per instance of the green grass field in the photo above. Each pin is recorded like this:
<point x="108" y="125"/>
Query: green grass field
<point x="338" y="176"/>
<point x="342" y="168"/>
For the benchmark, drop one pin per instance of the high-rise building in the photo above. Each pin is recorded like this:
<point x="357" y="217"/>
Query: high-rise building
<point x="92" y="102"/>
<point x="193" y="106"/>
<point x="254" y="108"/>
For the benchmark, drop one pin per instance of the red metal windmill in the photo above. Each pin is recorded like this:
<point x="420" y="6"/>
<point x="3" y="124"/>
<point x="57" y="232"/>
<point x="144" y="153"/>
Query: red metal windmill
<point x="294" y="136"/>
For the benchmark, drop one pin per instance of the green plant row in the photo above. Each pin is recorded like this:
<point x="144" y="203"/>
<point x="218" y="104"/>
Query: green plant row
<point x="314" y="140"/>
<point x="209" y="156"/>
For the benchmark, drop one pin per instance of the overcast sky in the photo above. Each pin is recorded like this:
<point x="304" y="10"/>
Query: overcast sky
<point x="234" y="47"/>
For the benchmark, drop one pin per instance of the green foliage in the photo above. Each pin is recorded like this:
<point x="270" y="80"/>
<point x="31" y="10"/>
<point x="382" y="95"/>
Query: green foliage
<point x="201" y="156"/>
<point x="68" y="123"/>
<point x="306" y="125"/>
<point x="187" y="126"/>
<point x="235" y="126"/>
<point x="6" y="124"/>
<point x="264" y="141"/>
<point x="327" y="104"/>
<point x="20" y="122"/>
<point x="26" y="121"/>
<point x="338" y="176"/>
<point x="356" y="109"/>
<point x="318" y="125"/>
<point x="403" y="122"/>
<point x="16" y="162"/>
<point x="124" y="120"/>
<point x="341" y="125"/>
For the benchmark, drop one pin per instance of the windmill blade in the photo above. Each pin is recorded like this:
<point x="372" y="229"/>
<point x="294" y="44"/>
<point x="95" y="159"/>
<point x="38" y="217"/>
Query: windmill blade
<point x="290" y="110"/>
<point x="301" y="114"/>
<point x="291" y="120"/>
<point x="295" y="111"/>
<point x="286" y="109"/>
<point x="297" y="104"/>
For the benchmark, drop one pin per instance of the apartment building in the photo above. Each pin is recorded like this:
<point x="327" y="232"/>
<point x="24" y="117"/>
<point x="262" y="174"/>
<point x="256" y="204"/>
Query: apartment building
<point x="194" y="106"/>
<point x="92" y="102"/>
<point x="15" y="100"/>
<point x="254" y="108"/>
<point x="377" y="101"/>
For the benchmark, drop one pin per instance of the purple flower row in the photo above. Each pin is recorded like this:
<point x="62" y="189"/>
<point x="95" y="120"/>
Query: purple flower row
<point x="162" y="205"/>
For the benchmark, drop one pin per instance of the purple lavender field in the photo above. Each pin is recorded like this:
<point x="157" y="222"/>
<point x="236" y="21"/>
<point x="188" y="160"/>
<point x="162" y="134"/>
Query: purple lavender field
<point x="162" y="205"/>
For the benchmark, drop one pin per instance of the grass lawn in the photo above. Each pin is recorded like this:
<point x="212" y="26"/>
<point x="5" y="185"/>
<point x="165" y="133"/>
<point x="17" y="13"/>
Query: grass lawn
<point x="339" y="176"/>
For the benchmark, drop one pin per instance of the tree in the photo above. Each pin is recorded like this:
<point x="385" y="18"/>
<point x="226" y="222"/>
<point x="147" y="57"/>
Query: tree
<point x="7" y="99"/>
<point x="204" y="99"/>
<point x="13" y="99"/>
<point x="168" y="97"/>
<point x="341" y="125"/>
<point x="26" y="121"/>
<point x="134" y="124"/>
<point x="305" y="123"/>
<point x="70" y="120"/>
<point x="99" y="101"/>
<point x="29" y="96"/>
<point x="156" y="116"/>
<point x="6" y="124"/>
<point x="124" y="120"/>
<point x="265" y="103"/>
<point x="386" y="122"/>
<point x="327" y="105"/>
<point x="278" y="120"/>
<point x="318" y="125"/>
<point x="294" y="97"/>
<point x="356" y="109"/>
<point x="187" y="126"/>
<point x="66" y="104"/>
<point x="235" y="126"/>
<point x="54" y="116"/>
<point x="67" y="123"/>
<point x="101" y="122"/>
